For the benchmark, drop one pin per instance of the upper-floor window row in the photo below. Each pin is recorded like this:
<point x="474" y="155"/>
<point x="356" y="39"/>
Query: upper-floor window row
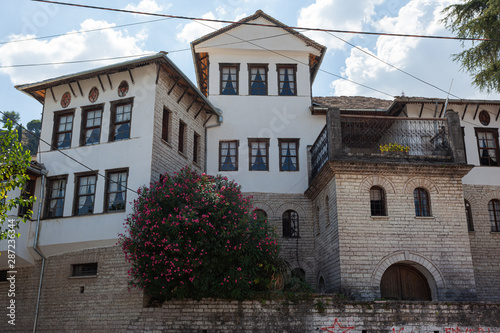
<point x="91" y="124"/>
<point x="258" y="79"/>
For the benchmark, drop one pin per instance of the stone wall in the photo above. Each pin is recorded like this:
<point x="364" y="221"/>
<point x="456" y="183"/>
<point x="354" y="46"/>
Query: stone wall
<point x="105" y="304"/>
<point x="484" y="244"/>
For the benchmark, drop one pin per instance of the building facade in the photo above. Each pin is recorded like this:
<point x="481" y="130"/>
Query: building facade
<point x="418" y="223"/>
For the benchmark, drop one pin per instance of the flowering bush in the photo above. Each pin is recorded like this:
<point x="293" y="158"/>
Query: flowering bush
<point x="195" y="236"/>
<point x="394" y="147"/>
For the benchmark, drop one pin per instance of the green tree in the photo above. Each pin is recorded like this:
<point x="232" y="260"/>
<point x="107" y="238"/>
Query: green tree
<point x="195" y="236"/>
<point x="478" y="19"/>
<point x="14" y="161"/>
<point x="35" y="127"/>
<point x="12" y="115"/>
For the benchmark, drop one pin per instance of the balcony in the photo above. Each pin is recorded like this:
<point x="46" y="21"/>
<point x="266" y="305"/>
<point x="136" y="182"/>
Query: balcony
<point x="358" y="138"/>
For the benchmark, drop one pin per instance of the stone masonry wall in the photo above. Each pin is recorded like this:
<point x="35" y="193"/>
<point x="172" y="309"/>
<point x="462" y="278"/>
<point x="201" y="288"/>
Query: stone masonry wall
<point x="484" y="243"/>
<point x="438" y="245"/>
<point x="166" y="156"/>
<point x="299" y="252"/>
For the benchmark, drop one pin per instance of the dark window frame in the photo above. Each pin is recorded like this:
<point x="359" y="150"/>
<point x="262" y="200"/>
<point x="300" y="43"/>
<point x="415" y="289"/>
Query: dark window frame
<point x="481" y="150"/>
<point x="165" y="125"/>
<point x="56" y="132"/>
<point x="77" y="196"/>
<point x="236" y="81"/>
<point x="181" y="138"/>
<point x="468" y="215"/>
<point x="297" y="142"/>
<point x="50" y="182"/>
<point x="109" y="173"/>
<point x="236" y="148"/>
<point x="26" y="193"/>
<point x="288" y="218"/>
<point x="494" y="213"/>
<point x="250" y="155"/>
<point x="265" y="81"/>
<point x="196" y="147"/>
<point x="113" y="123"/>
<point x="378" y="207"/>
<point x="294" y="81"/>
<point x="84" y="270"/>
<point x="422" y="202"/>
<point x="83" y="129"/>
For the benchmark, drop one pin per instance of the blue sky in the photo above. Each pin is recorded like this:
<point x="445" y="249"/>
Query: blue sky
<point x="428" y="59"/>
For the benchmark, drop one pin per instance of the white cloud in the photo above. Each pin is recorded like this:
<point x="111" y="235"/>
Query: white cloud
<point x="147" y="6"/>
<point x="428" y="59"/>
<point x="338" y="15"/>
<point x="70" y="47"/>
<point x="196" y="29"/>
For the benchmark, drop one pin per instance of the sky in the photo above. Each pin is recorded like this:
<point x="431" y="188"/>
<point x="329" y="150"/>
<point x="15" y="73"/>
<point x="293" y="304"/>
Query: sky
<point x="62" y="35"/>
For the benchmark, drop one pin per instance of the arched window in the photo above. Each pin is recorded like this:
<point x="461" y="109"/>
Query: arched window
<point x="321" y="286"/>
<point x="290" y="224"/>
<point x="377" y="201"/>
<point x="468" y="215"/>
<point x="422" y="202"/>
<point x="260" y="214"/>
<point x="494" y="210"/>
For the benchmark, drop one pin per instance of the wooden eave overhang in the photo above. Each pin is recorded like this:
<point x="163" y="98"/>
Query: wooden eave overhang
<point x="201" y="59"/>
<point x="40" y="89"/>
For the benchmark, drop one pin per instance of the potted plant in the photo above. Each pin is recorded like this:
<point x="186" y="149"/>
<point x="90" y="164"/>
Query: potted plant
<point x="394" y="148"/>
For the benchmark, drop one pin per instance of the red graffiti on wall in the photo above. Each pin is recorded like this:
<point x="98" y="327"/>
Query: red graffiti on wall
<point x="337" y="324"/>
<point x="466" y="330"/>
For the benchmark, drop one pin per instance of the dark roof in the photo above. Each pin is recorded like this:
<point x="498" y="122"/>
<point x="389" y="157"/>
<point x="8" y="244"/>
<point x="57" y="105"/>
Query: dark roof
<point x="352" y="102"/>
<point x="272" y="20"/>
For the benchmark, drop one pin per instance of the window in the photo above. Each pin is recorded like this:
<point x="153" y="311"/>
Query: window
<point x="27" y="192"/>
<point x="289" y="154"/>
<point x="116" y="190"/>
<point x="3" y="275"/>
<point x="257" y="77"/>
<point x="487" y="143"/>
<point x="468" y="216"/>
<point x="85" y="194"/>
<point x="494" y="211"/>
<point x="121" y="114"/>
<point x="421" y="197"/>
<point x="63" y="126"/>
<point x="91" y="126"/>
<point x="196" y="147"/>
<point x="182" y="136"/>
<point x="229" y="79"/>
<point x="258" y="154"/>
<point x="56" y="193"/>
<point x="89" y="269"/>
<point x="290" y="224"/>
<point x="377" y="201"/>
<point x="165" y="125"/>
<point x="286" y="80"/>
<point x="228" y="156"/>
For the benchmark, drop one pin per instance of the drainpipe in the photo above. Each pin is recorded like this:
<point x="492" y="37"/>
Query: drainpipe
<point x="219" y="122"/>
<point x="35" y="244"/>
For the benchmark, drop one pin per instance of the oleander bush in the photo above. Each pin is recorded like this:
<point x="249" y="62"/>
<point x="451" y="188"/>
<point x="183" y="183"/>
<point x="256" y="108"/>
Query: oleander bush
<point x="194" y="235"/>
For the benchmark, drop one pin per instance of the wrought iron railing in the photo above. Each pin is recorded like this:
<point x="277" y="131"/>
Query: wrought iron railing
<point x="319" y="152"/>
<point x="424" y="137"/>
<point x="362" y="136"/>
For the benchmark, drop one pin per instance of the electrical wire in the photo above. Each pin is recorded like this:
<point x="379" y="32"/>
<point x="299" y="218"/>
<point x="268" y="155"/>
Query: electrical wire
<point x="264" y="25"/>
<point x="66" y="155"/>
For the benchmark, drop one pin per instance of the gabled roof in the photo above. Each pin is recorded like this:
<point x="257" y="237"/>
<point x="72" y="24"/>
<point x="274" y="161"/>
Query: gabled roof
<point x="272" y="20"/>
<point x="38" y="90"/>
<point x="201" y="60"/>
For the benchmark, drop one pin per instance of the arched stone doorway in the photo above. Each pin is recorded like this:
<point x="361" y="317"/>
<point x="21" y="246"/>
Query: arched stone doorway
<point x="404" y="282"/>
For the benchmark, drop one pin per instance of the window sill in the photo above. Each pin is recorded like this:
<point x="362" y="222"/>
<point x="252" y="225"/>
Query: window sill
<point x="379" y="217"/>
<point x="182" y="154"/>
<point x="166" y="143"/>
<point x="425" y="217"/>
<point x="495" y="232"/>
<point x="83" y="277"/>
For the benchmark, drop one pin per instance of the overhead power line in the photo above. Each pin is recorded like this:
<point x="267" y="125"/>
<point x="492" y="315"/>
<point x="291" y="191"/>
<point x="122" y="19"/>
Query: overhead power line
<point x="265" y="25"/>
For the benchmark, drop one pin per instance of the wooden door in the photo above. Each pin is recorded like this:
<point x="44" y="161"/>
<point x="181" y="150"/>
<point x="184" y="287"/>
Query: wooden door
<point x="403" y="282"/>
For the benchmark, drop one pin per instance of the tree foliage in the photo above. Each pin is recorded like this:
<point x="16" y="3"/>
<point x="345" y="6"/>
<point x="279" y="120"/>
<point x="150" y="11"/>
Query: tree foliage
<point x="14" y="116"/>
<point x="14" y="161"/>
<point x="478" y="19"/>
<point x="195" y="236"/>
